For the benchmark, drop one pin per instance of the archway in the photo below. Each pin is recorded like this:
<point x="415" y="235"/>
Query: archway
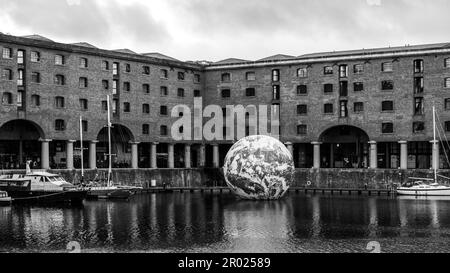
<point x="19" y="142"/>
<point x="344" y="147"/>
<point x="121" y="137"/>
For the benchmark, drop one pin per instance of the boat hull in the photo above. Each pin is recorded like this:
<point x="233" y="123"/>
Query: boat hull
<point x="73" y="196"/>
<point x="423" y="192"/>
<point x="95" y="194"/>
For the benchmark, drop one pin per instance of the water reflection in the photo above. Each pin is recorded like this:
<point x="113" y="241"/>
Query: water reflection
<point x="221" y="223"/>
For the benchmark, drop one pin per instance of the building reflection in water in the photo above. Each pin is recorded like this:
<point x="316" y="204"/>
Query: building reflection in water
<point x="218" y="223"/>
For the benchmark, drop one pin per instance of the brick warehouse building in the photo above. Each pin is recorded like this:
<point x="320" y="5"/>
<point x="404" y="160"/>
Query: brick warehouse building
<point x="350" y="109"/>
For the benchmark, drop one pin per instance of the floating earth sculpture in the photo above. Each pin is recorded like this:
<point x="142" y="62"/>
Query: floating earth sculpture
<point x="259" y="168"/>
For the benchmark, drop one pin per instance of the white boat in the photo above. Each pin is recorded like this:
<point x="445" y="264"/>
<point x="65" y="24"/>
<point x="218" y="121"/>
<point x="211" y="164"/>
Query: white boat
<point x="427" y="186"/>
<point x="4" y="198"/>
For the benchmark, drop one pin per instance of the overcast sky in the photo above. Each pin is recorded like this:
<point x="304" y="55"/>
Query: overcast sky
<point x="218" y="29"/>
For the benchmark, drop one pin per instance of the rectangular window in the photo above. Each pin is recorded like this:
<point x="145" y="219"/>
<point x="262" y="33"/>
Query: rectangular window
<point x="358" y="69"/>
<point x="59" y="59"/>
<point x="59" y="102"/>
<point x="59" y="80"/>
<point x="302" y="89"/>
<point x="146" y="88"/>
<point x="358" y="86"/>
<point x="180" y="92"/>
<point x="7" y="98"/>
<point x="7" y="74"/>
<point x="127" y="68"/>
<point x="35" y="100"/>
<point x="127" y="86"/>
<point x="163" y="110"/>
<point x="83" y="63"/>
<point x="126" y="107"/>
<point x="358" y="107"/>
<point x="59" y="125"/>
<point x="275" y="75"/>
<point x="181" y="76"/>
<point x="418" y="66"/>
<point x="328" y="88"/>
<point x="146" y="108"/>
<point x="447" y="104"/>
<point x="163" y="130"/>
<point x="276" y="92"/>
<point x="197" y="78"/>
<point x="447" y="63"/>
<point x="84" y="104"/>
<point x="250" y="92"/>
<point x="115" y="69"/>
<point x="328" y="70"/>
<point x="226" y="77"/>
<point x="387" y="106"/>
<point x="105" y="84"/>
<point x="447" y="126"/>
<point x="7" y="53"/>
<point x="115" y="106"/>
<point x="20" y="77"/>
<point x="302" y="129"/>
<point x="328" y="108"/>
<point x="105" y="65"/>
<point x="343" y="71"/>
<point x="343" y="88"/>
<point x="226" y="93"/>
<point x="145" y="129"/>
<point x="302" y="109"/>
<point x="35" y="77"/>
<point x="387" y="85"/>
<point x="387" y="67"/>
<point x="146" y="70"/>
<point x="20" y="56"/>
<point x="418" y="85"/>
<point x="250" y="76"/>
<point x="197" y="93"/>
<point x="302" y="72"/>
<point x="20" y="95"/>
<point x="115" y="85"/>
<point x="343" y="109"/>
<point x="164" y="74"/>
<point x="447" y="83"/>
<point x="418" y="127"/>
<point x="418" y="106"/>
<point x="104" y="105"/>
<point x="164" y="91"/>
<point x="387" y="128"/>
<point x="84" y="125"/>
<point x="83" y="82"/>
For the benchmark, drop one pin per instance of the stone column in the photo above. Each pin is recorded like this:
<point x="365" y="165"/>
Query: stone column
<point x="187" y="156"/>
<point x="403" y="155"/>
<point x="69" y="154"/>
<point x="202" y="155"/>
<point x="171" y="161"/>
<point x="435" y="155"/>
<point x="93" y="154"/>
<point x="290" y="147"/>
<point x="153" y="158"/>
<point x="134" y="155"/>
<point x="45" y="154"/>
<point x="316" y="157"/>
<point x="215" y="155"/>
<point x="373" y="155"/>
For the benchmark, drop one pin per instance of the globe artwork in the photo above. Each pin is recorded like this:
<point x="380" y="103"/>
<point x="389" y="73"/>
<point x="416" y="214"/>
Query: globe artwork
<point x="259" y="168"/>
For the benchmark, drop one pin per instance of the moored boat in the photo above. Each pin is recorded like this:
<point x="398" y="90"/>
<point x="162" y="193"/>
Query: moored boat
<point x="421" y="188"/>
<point x="41" y="187"/>
<point x="4" y="198"/>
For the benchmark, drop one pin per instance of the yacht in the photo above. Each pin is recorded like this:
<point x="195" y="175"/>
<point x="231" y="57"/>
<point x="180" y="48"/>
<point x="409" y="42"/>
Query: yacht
<point x="40" y="187"/>
<point x="4" y="198"/>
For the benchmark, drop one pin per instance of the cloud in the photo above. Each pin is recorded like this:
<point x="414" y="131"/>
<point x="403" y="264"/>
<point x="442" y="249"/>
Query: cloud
<point x="217" y="29"/>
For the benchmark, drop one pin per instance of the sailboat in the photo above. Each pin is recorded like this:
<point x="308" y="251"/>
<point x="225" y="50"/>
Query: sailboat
<point x="109" y="190"/>
<point x="427" y="186"/>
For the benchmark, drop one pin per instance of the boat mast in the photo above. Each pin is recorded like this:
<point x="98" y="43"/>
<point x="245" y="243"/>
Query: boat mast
<point x="434" y="143"/>
<point x="109" y="142"/>
<point x="81" y="147"/>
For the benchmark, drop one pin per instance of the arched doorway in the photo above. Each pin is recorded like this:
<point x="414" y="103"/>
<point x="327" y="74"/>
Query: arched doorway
<point x="344" y="147"/>
<point x="121" y="137"/>
<point x="19" y="142"/>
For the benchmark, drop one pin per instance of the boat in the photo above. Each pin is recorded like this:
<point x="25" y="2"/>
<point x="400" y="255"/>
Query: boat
<point x="426" y="186"/>
<point x="40" y="187"/>
<point x="4" y="198"/>
<point x="107" y="189"/>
